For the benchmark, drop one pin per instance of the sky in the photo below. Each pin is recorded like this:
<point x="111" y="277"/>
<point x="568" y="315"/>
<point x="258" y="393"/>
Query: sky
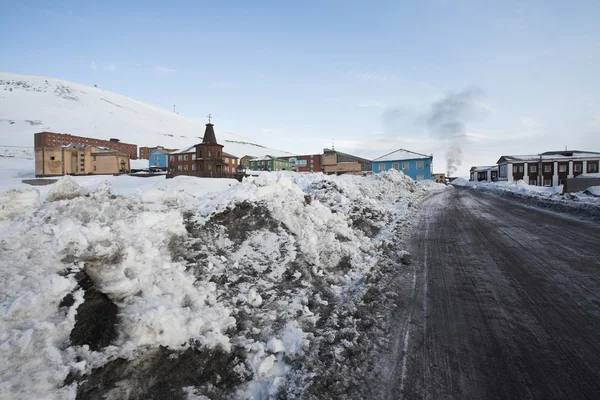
<point x="469" y="79"/>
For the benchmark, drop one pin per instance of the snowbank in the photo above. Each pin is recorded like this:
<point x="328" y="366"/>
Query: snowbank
<point x="205" y="287"/>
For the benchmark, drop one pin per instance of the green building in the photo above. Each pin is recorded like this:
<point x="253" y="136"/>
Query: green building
<point x="269" y="163"/>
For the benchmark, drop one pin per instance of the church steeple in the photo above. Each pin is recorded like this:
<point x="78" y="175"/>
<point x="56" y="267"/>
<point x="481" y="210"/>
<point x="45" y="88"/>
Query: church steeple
<point x="209" y="133"/>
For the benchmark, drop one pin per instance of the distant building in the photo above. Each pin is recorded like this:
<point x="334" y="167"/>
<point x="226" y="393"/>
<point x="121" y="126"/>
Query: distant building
<point x="159" y="158"/>
<point x="551" y="168"/>
<point x="416" y="165"/>
<point x="205" y="159"/>
<point x="79" y="159"/>
<point x="305" y="163"/>
<point x="145" y="151"/>
<point x="439" y="177"/>
<point x="51" y="139"/>
<point x="269" y="163"/>
<point x="337" y="163"/>
<point x="484" y="173"/>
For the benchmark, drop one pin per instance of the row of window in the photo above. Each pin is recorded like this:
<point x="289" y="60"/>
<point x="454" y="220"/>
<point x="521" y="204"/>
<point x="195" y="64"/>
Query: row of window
<point x="562" y="168"/>
<point x="405" y="166"/>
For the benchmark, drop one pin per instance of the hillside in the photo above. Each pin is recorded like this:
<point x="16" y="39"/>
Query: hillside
<point x="30" y="104"/>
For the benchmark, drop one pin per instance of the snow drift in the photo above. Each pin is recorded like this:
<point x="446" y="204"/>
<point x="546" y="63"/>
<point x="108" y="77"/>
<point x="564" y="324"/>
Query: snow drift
<point x="261" y="289"/>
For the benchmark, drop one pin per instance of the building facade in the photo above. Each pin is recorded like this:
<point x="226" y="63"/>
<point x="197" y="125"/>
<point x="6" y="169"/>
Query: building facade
<point x="52" y="139"/>
<point x="416" y="165"/>
<point x="305" y="163"/>
<point x="484" y="173"/>
<point x="269" y="163"/>
<point x="205" y="159"/>
<point x="337" y="163"/>
<point x="439" y="177"/>
<point x="145" y="151"/>
<point x="551" y="168"/>
<point x="159" y="158"/>
<point x="79" y="160"/>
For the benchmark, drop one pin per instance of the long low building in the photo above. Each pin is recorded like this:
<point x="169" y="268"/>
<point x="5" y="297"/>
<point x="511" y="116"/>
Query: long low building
<point x="53" y="139"/>
<point x="76" y="159"/>
<point x="551" y="168"/>
<point x="488" y="173"/>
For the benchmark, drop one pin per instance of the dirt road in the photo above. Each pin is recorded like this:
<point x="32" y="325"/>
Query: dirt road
<point x="506" y="304"/>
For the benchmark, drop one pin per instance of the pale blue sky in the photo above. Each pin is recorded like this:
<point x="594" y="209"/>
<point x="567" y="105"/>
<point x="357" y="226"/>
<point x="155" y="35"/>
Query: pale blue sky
<point x="296" y="74"/>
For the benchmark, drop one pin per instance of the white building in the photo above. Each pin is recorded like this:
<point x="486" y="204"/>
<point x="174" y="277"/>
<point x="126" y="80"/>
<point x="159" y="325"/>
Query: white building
<point x="551" y="168"/>
<point x="484" y="173"/>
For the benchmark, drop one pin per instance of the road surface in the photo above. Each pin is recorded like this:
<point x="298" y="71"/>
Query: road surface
<point x="506" y="303"/>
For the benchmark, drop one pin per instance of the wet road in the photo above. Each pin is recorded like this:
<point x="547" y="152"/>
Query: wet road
<point x="506" y="304"/>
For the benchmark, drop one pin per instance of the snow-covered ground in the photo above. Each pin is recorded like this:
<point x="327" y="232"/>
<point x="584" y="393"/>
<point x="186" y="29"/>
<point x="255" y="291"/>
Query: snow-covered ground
<point x="205" y="287"/>
<point x="30" y="104"/>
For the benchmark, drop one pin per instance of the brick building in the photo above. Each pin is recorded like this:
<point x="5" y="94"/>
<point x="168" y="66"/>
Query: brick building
<point x="305" y="163"/>
<point x="205" y="159"/>
<point x="145" y="151"/>
<point x="337" y="163"/>
<point x="52" y="139"/>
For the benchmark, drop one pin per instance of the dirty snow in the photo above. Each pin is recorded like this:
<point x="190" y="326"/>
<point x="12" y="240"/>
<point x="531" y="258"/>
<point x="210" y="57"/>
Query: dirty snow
<point x="264" y="281"/>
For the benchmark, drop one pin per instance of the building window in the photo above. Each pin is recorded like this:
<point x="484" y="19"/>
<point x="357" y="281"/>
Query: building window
<point x="179" y="167"/>
<point x="533" y="169"/>
<point x="193" y="167"/>
<point x="179" y="158"/>
<point x="209" y="165"/>
<point x="52" y="158"/>
<point x="592" y="167"/>
<point x="547" y="168"/>
<point x="185" y="157"/>
<point x="209" y="154"/>
<point x="577" y="167"/>
<point x="194" y="156"/>
<point x="420" y="165"/>
<point x="562" y="168"/>
<point x="94" y="167"/>
<point x="420" y="177"/>
<point x="562" y="182"/>
<point x="172" y="158"/>
<point x="396" y="166"/>
<point x="381" y="167"/>
<point x="404" y="166"/>
<point x="547" y="182"/>
<point x="185" y="167"/>
<point x="517" y="169"/>
<point x="533" y="182"/>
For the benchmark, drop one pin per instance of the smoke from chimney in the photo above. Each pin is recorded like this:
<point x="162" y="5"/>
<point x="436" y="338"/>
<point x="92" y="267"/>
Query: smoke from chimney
<point x="447" y="120"/>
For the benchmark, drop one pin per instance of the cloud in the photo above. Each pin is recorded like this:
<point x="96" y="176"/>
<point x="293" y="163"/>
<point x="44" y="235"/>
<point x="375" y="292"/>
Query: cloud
<point x="529" y="123"/>
<point x="374" y="75"/>
<point x="164" y="70"/>
<point x="371" y="104"/>
<point x="93" y="65"/>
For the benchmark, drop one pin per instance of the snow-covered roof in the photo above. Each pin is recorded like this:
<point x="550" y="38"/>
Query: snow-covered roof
<point x="402" y="154"/>
<point x="264" y="158"/>
<point x="229" y="155"/>
<point x="484" y="168"/>
<point x="190" y="149"/>
<point x="551" y="156"/>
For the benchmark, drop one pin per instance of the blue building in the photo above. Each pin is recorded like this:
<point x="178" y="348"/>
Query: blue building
<point x="416" y="165"/>
<point x="158" y="159"/>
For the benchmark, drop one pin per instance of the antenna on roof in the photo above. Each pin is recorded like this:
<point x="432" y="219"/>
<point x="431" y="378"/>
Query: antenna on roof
<point x="565" y="148"/>
<point x="209" y="118"/>
<point x="332" y="144"/>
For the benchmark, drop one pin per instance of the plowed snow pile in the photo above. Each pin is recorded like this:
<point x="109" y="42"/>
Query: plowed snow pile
<point x="267" y="288"/>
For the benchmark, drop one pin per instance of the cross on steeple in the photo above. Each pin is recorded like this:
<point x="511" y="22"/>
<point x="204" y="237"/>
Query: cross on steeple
<point x="209" y="118"/>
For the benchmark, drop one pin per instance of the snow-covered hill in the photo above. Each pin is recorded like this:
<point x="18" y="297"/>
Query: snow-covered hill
<point x="30" y="104"/>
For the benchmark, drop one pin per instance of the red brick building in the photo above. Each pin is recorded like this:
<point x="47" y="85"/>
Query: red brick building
<point x="51" y="139"/>
<point x="306" y="163"/>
